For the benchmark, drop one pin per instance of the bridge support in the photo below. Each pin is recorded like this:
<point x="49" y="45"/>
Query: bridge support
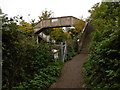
<point x="63" y="50"/>
<point x="36" y="37"/>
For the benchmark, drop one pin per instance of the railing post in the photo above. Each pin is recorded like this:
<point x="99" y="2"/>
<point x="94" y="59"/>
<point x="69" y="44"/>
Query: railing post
<point x="61" y="51"/>
<point x="36" y="36"/>
<point x="65" y="51"/>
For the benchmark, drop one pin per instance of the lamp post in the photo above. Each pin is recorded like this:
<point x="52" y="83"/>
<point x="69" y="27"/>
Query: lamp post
<point x="1" y="16"/>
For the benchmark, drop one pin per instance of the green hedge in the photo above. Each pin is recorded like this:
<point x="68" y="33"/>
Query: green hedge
<point x="102" y="69"/>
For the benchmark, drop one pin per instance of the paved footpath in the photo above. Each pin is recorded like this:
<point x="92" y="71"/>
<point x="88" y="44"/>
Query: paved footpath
<point x="71" y="74"/>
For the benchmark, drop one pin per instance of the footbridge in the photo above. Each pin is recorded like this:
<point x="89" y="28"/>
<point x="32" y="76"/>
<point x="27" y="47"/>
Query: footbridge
<point x="66" y="21"/>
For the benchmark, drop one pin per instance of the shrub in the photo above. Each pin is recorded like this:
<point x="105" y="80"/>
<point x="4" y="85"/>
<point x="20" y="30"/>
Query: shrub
<point x="44" y="78"/>
<point x="22" y="57"/>
<point x="71" y="49"/>
<point x="102" y="67"/>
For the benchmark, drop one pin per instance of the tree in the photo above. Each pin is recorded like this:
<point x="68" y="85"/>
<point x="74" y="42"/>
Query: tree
<point x="74" y="32"/>
<point x="22" y="58"/>
<point x="0" y="11"/>
<point x="79" y="25"/>
<point x="26" y="27"/>
<point x="45" y="15"/>
<point x="58" y="34"/>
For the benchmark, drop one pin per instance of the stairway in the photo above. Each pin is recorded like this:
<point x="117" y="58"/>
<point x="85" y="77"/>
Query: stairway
<point x="86" y="43"/>
<point x="85" y="39"/>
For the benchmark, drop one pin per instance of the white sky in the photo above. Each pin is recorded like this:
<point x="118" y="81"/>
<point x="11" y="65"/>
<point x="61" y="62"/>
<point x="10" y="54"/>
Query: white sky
<point x="76" y="8"/>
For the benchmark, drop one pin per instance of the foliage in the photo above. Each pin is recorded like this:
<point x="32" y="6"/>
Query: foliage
<point x="23" y="59"/>
<point x="72" y="49"/>
<point x="44" y="78"/>
<point x="0" y="11"/>
<point x="45" y="15"/>
<point x="13" y="53"/>
<point x="58" y="34"/>
<point x="68" y="35"/>
<point x="26" y="27"/>
<point x="72" y="36"/>
<point x="33" y="23"/>
<point x="74" y="32"/>
<point x="79" y="25"/>
<point x="102" y="69"/>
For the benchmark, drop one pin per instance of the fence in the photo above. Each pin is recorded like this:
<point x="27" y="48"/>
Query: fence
<point x="61" y="51"/>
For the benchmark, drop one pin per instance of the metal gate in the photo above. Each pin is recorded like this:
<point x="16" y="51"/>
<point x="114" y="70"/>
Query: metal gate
<point x="61" y="52"/>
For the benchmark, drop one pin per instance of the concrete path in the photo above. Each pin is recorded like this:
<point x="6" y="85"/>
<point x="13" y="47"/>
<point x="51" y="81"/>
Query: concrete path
<point x="71" y="74"/>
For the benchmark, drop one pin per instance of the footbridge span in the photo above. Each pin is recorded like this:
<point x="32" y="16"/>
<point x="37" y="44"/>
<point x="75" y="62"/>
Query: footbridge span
<point x="66" y="21"/>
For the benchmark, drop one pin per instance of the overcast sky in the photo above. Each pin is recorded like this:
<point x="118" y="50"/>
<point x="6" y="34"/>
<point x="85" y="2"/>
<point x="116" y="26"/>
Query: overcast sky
<point x="76" y="8"/>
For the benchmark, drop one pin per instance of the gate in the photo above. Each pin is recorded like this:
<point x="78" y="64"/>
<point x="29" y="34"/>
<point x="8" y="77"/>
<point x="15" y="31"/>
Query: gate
<point x="60" y="52"/>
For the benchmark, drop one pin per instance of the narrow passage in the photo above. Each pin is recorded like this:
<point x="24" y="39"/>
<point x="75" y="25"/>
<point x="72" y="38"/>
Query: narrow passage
<point x="71" y="74"/>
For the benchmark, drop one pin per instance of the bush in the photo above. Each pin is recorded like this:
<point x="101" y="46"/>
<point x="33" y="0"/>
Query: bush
<point x="102" y="67"/>
<point x="71" y="49"/>
<point x="24" y="60"/>
<point x="44" y="78"/>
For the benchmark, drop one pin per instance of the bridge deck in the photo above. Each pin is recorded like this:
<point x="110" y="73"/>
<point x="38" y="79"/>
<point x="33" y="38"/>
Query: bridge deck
<point x="55" y="22"/>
